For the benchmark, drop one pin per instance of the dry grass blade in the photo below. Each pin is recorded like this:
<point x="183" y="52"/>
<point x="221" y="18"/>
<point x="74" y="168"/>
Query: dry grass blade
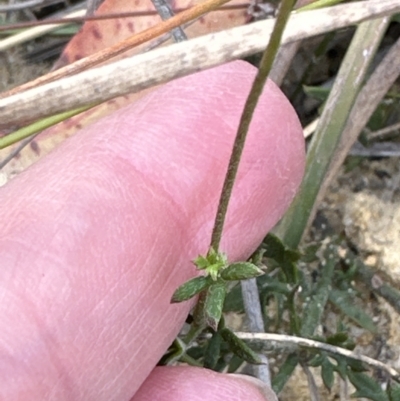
<point x="26" y="5"/>
<point x="162" y="65"/>
<point x="121" y="47"/>
<point x="283" y="60"/>
<point x="312" y="385"/>
<point x="35" y="32"/>
<point x="108" y="16"/>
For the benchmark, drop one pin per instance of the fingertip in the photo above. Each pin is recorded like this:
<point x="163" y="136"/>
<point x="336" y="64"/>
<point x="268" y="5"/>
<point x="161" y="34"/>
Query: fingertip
<point x="184" y="383"/>
<point x="267" y="392"/>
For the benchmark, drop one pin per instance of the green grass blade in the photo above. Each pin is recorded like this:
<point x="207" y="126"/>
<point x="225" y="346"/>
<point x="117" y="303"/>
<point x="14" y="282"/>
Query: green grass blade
<point x="327" y="136"/>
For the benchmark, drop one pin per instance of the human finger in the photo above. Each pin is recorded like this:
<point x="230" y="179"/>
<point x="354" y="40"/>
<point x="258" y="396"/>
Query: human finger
<point x="97" y="235"/>
<point x="183" y="383"/>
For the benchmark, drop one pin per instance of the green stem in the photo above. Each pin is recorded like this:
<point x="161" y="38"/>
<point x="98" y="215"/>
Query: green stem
<point x="190" y="361"/>
<point x="193" y="333"/>
<point x="38" y="126"/>
<point x="251" y="103"/>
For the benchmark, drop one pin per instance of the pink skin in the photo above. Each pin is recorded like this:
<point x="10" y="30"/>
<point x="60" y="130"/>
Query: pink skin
<point x="184" y="383"/>
<point x="97" y="236"/>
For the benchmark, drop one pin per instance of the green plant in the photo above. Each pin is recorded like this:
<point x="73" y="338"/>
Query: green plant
<point x="300" y="300"/>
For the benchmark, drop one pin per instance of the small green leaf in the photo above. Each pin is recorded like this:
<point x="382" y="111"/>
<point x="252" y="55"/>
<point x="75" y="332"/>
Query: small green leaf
<point x="310" y="253"/>
<point x="234" y="300"/>
<point x="338" y="339"/>
<point x="214" y="304"/>
<point x="341" y="365"/>
<point x="274" y="286"/>
<point x="317" y="360"/>
<point x="175" y="351"/>
<point x="327" y="373"/>
<point x="315" y="306"/>
<point x="213" y="263"/>
<point x="241" y="271"/>
<point x="274" y="248"/>
<point x="366" y="387"/>
<point x="285" y="372"/>
<point x="214" y="270"/>
<point x="235" y="363"/>
<point x="292" y="255"/>
<point x="356" y="366"/>
<point x="190" y="289"/>
<point x="393" y="391"/>
<point x="212" y="352"/>
<point x="201" y="262"/>
<point x="345" y="303"/>
<point x="317" y="92"/>
<point x="285" y="257"/>
<point x="239" y="347"/>
<point x="277" y="250"/>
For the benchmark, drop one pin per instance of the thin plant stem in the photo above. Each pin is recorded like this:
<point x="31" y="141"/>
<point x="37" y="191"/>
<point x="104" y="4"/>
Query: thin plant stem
<point x="165" y="11"/>
<point x="190" y="361"/>
<point x="255" y="323"/>
<point x="14" y="152"/>
<point x="245" y="120"/>
<point x="108" y="16"/>
<point x="269" y="342"/>
<point x="38" y="126"/>
<point x="7" y="8"/>
<point x="122" y="46"/>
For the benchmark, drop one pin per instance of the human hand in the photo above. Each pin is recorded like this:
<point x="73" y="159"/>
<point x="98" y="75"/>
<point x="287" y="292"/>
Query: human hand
<point x="97" y="236"/>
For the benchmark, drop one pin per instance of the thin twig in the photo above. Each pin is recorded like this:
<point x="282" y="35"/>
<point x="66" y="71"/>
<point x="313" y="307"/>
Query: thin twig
<point x="158" y="42"/>
<point x="314" y="396"/>
<point x="383" y="132"/>
<point x="31" y="131"/>
<point x="255" y="323"/>
<point x="136" y="14"/>
<point x="344" y="389"/>
<point x="273" y="342"/>
<point x="17" y="149"/>
<point x="121" y="47"/>
<point x="36" y="32"/>
<point x="161" y="65"/>
<point x="283" y="61"/>
<point x="26" y="5"/>
<point x="165" y="11"/>
<point x="380" y="149"/>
